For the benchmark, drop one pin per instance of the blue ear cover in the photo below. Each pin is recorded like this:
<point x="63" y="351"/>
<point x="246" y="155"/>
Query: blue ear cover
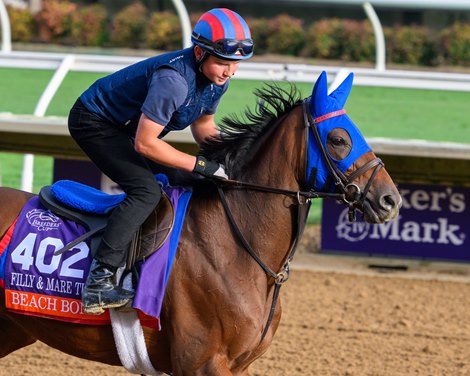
<point x="321" y="104"/>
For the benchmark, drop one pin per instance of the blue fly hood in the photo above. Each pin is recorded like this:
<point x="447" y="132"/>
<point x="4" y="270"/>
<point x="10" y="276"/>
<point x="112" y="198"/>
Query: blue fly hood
<point x="328" y="114"/>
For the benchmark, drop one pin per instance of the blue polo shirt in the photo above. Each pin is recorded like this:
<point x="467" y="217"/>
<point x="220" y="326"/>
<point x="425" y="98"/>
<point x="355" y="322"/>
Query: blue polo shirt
<point x="168" y="91"/>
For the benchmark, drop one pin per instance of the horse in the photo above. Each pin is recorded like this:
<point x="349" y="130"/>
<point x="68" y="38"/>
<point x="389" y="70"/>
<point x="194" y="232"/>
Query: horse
<point x="219" y="312"/>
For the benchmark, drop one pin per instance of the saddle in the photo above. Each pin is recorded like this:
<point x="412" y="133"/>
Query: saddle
<point x="92" y="208"/>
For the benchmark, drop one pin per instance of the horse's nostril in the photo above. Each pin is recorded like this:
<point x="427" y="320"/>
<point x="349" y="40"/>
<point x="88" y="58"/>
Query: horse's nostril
<point x="387" y="202"/>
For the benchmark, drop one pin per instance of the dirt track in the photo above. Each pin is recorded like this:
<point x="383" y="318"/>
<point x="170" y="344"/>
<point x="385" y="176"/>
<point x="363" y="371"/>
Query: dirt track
<point x="355" y="323"/>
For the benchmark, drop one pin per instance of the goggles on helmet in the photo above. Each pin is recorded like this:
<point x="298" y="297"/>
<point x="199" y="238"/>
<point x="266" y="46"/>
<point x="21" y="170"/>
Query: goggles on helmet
<point x="226" y="47"/>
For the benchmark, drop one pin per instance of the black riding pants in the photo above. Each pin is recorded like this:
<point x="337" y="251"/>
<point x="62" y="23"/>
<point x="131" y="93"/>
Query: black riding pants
<point x="112" y="150"/>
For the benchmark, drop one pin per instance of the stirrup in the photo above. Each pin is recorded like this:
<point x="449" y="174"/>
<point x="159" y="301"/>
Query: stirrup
<point x="97" y="305"/>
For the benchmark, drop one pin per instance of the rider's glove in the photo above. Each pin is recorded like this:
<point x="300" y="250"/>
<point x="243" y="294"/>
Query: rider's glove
<point x="209" y="169"/>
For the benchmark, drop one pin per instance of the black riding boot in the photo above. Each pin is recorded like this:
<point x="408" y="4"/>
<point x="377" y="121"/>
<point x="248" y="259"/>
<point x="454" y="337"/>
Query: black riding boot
<point x="100" y="290"/>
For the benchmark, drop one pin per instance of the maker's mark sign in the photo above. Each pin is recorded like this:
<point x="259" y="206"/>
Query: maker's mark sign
<point x="434" y="223"/>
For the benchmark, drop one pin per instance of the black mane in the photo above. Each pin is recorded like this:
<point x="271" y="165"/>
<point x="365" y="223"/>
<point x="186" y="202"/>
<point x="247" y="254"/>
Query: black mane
<point x="238" y="137"/>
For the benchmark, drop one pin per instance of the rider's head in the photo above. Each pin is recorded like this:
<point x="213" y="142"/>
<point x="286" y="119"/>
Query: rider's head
<point x="223" y="33"/>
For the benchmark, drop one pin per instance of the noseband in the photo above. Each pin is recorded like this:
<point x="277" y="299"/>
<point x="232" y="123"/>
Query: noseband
<point x="352" y="194"/>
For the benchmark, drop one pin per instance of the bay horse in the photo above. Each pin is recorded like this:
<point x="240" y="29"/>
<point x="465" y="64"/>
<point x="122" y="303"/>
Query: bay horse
<point x="220" y="313"/>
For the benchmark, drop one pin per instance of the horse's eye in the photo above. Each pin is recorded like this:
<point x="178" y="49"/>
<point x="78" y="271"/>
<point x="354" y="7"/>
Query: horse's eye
<point x="338" y="144"/>
<point x="337" y="141"/>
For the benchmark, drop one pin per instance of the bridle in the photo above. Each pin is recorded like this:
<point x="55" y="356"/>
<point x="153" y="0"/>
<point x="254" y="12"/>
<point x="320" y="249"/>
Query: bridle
<point x="350" y="194"/>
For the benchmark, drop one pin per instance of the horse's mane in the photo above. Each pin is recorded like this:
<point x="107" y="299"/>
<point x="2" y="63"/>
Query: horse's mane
<point x="240" y="135"/>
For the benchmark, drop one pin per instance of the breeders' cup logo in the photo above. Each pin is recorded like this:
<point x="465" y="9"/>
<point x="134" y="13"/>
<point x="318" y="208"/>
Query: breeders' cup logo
<point x="351" y="231"/>
<point x="43" y="220"/>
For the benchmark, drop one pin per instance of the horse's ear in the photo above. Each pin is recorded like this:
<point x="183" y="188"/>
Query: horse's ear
<point x="341" y="93"/>
<point x="321" y="103"/>
<point x="319" y="98"/>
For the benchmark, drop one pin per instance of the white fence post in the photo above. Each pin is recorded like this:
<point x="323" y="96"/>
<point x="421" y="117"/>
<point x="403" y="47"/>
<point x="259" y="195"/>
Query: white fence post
<point x="6" y="30"/>
<point x="379" y="37"/>
<point x="40" y="110"/>
<point x="185" y="22"/>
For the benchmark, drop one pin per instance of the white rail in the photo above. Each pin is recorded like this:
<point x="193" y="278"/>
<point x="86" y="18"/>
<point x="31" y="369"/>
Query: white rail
<point x="253" y="71"/>
<point x="54" y="125"/>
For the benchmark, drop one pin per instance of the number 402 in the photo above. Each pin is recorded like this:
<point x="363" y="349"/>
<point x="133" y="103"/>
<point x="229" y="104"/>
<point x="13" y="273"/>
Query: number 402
<point x="23" y="254"/>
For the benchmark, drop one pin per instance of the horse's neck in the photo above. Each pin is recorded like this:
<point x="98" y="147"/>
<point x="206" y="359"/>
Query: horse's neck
<point x="280" y="160"/>
<point x="271" y="227"/>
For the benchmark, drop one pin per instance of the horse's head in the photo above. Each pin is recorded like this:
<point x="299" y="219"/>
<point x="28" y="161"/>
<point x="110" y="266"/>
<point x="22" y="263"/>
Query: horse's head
<point x="339" y="158"/>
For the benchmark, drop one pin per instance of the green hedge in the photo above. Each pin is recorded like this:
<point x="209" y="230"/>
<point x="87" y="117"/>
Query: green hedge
<point x="22" y="24"/>
<point x="53" y="22"/>
<point x="88" y="26"/>
<point x="61" y="21"/>
<point x="163" y="32"/>
<point x="455" y="44"/>
<point x="340" y="40"/>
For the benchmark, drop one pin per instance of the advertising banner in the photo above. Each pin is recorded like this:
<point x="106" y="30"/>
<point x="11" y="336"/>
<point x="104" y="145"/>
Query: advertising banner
<point x="434" y="224"/>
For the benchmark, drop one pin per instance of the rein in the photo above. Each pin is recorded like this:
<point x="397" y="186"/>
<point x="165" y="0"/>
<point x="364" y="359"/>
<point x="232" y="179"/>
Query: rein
<point x="302" y="212"/>
<point x="350" y="194"/>
<point x="308" y="195"/>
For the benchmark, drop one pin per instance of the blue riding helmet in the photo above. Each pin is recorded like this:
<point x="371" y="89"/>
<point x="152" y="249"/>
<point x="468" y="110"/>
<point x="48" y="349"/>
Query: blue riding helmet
<point x="223" y="33"/>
